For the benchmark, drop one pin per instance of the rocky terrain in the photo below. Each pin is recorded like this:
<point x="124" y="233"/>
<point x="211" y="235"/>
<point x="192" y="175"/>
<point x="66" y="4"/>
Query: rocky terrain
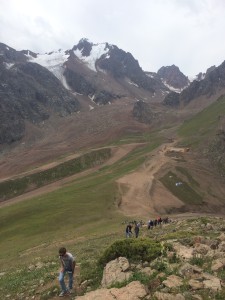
<point x="191" y="266"/>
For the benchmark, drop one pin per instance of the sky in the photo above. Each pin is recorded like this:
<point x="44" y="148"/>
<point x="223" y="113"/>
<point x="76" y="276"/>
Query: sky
<point x="186" y="33"/>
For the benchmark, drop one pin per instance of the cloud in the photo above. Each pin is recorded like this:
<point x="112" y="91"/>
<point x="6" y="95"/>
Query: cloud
<point x="186" y="33"/>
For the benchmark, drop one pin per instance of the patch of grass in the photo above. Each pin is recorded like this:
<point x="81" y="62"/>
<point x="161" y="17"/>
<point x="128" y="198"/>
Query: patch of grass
<point x="185" y="172"/>
<point x="181" y="189"/>
<point x="84" y="207"/>
<point x="203" y="125"/>
<point x="178" y="235"/>
<point x="17" y="282"/>
<point x="18" y="186"/>
<point x="197" y="260"/>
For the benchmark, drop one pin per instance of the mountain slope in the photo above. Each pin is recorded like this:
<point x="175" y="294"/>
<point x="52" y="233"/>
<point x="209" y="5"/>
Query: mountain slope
<point x="36" y="87"/>
<point x="29" y="92"/>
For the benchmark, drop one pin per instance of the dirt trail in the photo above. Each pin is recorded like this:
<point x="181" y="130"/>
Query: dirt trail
<point x="117" y="153"/>
<point x="136" y="188"/>
<point x="138" y="193"/>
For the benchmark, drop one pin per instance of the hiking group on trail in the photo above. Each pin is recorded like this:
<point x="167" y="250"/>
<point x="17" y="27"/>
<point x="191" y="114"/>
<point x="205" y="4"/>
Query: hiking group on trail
<point x="151" y="224"/>
<point x="68" y="263"/>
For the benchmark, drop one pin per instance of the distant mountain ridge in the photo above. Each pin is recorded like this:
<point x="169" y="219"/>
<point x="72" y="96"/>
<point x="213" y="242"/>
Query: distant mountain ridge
<point x="36" y="86"/>
<point x="211" y="83"/>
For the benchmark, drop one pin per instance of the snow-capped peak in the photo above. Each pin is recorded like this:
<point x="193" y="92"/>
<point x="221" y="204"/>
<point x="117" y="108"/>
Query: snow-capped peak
<point x="96" y="52"/>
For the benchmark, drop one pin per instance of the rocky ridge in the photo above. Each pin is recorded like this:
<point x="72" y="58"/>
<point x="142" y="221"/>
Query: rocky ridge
<point x="212" y="83"/>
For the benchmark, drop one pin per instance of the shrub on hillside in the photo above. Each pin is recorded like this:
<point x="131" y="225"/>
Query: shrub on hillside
<point x="133" y="249"/>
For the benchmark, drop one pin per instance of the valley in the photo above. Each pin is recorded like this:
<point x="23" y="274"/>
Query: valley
<point x="87" y="144"/>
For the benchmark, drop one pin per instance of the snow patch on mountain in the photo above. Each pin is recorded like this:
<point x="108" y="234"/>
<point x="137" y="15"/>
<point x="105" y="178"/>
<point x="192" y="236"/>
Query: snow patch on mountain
<point x="53" y="61"/>
<point x="96" y="52"/>
<point x="171" y="88"/>
<point x="8" y="65"/>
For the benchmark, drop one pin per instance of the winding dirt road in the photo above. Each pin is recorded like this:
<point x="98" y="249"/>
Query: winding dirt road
<point x="117" y="153"/>
<point x="140" y="197"/>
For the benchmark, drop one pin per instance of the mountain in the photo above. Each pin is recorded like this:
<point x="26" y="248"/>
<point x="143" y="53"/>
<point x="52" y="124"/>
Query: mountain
<point x="35" y="87"/>
<point x="29" y="93"/>
<point x="103" y="72"/>
<point x="61" y="99"/>
<point x="143" y="112"/>
<point x="173" y="78"/>
<point x="212" y="85"/>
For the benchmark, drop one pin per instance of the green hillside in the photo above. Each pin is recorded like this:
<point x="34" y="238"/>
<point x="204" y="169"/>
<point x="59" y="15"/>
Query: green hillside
<point x="84" y="213"/>
<point x="204" y="125"/>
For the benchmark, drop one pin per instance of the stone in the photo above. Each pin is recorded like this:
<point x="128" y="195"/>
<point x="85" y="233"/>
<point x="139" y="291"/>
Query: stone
<point x="167" y="296"/>
<point x="211" y="282"/>
<point x="218" y="264"/>
<point x="116" y="271"/>
<point x="195" y="284"/>
<point x="183" y="251"/>
<point x="187" y="270"/>
<point x="173" y="281"/>
<point x="134" y="291"/>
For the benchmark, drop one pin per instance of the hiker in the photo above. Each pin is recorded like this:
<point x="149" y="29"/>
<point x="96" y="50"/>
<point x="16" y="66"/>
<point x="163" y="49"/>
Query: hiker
<point x="159" y="221"/>
<point x="151" y="224"/>
<point x="128" y="230"/>
<point x="67" y="267"/>
<point x="136" y="229"/>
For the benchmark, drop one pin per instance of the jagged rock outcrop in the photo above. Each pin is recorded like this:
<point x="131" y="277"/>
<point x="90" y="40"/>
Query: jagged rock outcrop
<point x="172" y="76"/>
<point x="122" y="64"/>
<point x="116" y="62"/>
<point x="172" y="99"/>
<point x="78" y="82"/>
<point x="142" y="112"/>
<point x="84" y="46"/>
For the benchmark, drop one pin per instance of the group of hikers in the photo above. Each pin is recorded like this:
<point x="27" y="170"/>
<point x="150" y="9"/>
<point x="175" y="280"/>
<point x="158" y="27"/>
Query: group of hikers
<point x="137" y="224"/>
<point x="68" y="263"/>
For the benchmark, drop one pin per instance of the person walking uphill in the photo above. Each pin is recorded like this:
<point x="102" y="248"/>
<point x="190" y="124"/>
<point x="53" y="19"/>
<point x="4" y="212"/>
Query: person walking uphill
<point x="129" y="231"/>
<point x="136" y="229"/>
<point x="67" y="267"/>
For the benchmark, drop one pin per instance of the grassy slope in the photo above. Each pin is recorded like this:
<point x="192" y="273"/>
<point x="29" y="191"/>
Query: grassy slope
<point x="198" y="133"/>
<point x="203" y="125"/>
<point x="85" y="207"/>
<point x="86" y="210"/>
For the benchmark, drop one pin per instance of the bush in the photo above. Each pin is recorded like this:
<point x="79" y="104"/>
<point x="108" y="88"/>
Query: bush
<point x="135" y="250"/>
